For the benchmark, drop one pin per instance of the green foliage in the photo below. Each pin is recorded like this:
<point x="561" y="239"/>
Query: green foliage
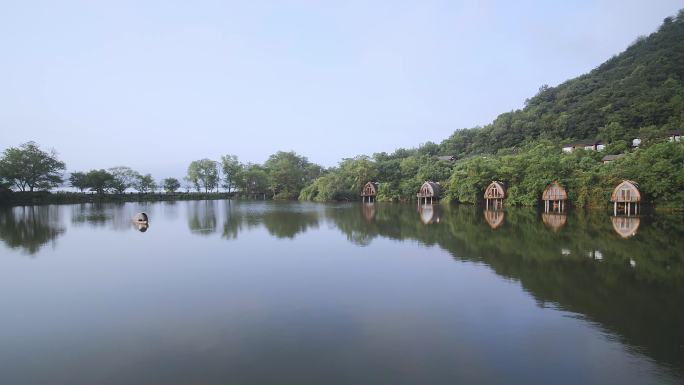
<point x="145" y="183"/>
<point x="100" y="181"/>
<point x="203" y="174"/>
<point x="255" y="180"/>
<point x="78" y="180"/>
<point x="288" y="173"/>
<point x="28" y="168"/>
<point x="171" y="185"/>
<point x="232" y="171"/>
<point x="123" y="178"/>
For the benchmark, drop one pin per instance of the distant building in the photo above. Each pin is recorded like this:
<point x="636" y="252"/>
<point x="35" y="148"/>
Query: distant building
<point x="675" y="136"/>
<point x="609" y="158"/>
<point x="636" y="142"/>
<point x="447" y="158"/>
<point x="589" y="145"/>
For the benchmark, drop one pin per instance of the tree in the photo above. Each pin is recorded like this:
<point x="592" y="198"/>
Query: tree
<point x="145" y="183"/>
<point x="255" y="180"/>
<point x="124" y="178"/>
<point x="99" y="180"/>
<point x="78" y="180"/>
<point x="232" y="170"/>
<point x="171" y="185"/>
<point x="203" y="173"/>
<point x="27" y="167"/>
<point x="288" y="173"/>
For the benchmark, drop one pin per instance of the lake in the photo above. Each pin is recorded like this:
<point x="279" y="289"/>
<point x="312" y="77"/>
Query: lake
<point x="240" y="292"/>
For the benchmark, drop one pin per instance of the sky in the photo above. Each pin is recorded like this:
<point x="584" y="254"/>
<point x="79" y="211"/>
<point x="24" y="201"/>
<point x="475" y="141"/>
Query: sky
<point x="156" y="84"/>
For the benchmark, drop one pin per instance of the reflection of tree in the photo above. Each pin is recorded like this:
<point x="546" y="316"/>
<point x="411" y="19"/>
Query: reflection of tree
<point x="30" y="227"/>
<point x="202" y="217"/>
<point x="287" y="224"/>
<point x="641" y="304"/>
<point x="116" y="215"/>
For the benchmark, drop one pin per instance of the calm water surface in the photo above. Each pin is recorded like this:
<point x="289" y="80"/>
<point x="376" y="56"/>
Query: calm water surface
<point x="220" y="292"/>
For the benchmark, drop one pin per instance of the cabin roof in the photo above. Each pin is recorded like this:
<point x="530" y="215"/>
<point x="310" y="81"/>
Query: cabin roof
<point x="614" y="197"/>
<point x="448" y="158"/>
<point x="435" y="187"/>
<point x="563" y="194"/>
<point x="612" y="157"/>
<point x="373" y="184"/>
<point x="498" y="185"/>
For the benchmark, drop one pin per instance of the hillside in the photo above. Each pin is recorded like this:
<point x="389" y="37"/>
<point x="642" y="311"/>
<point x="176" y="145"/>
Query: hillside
<point x="637" y="92"/>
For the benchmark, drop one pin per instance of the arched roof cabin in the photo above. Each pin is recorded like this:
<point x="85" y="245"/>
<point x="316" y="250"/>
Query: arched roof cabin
<point x="370" y="189"/>
<point x="554" y="192"/>
<point x="429" y="191"/>
<point x="627" y="191"/>
<point x="626" y="198"/>
<point x="495" y="190"/>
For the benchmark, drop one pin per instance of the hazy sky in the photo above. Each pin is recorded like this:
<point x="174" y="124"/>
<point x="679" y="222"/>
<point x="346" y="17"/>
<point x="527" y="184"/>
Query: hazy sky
<point x="156" y="84"/>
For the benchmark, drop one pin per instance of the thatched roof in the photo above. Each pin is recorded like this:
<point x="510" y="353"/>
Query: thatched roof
<point x="370" y="189"/>
<point x="430" y="189"/>
<point x="554" y="192"/>
<point x="495" y="190"/>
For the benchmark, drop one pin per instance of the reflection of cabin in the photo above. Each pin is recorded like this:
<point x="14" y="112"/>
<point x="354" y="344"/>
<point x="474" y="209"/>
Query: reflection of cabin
<point x="589" y="145"/>
<point x="369" y="192"/>
<point x="368" y="212"/>
<point x="626" y="198"/>
<point x="554" y="220"/>
<point x="494" y="195"/>
<point x="429" y="192"/>
<point x="554" y="197"/>
<point x="429" y="214"/>
<point x="494" y="218"/>
<point x="625" y="226"/>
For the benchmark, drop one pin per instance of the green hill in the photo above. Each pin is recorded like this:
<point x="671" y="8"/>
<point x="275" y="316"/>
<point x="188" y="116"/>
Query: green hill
<point x="640" y="91"/>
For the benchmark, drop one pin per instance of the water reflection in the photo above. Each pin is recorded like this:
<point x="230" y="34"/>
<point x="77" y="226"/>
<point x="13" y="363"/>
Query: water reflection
<point x="554" y="220"/>
<point x="202" y="217"/>
<point x="115" y="216"/>
<point x="30" y="227"/>
<point x="495" y="218"/>
<point x="429" y="213"/>
<point x="626" y="227"/>
<point x="631" y="289"/>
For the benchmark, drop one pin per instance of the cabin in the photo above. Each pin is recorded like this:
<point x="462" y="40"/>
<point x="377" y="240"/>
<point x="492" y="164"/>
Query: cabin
<point x="589" y="145"/>
<point x="626" y="198"/>
<point x="447" y="158"/>
<point x="554" y="220"/>
<point x="369" y="192"/>
<point x="636" y="142"/>
<point x="610" y="158"/>
<point x="494" y="218"/>
<point x="626" y="227"/>
<point x="554" y="197"/>
<point x="429" y="192"/>
<point x="674" y="136"/>
<point x="494" y="195"/>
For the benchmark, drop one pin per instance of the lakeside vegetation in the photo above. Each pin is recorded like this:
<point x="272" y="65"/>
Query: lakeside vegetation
<point x="636" y="94"/>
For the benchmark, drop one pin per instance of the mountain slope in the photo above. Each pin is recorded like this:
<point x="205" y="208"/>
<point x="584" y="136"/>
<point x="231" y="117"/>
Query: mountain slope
<point x="641" y="89"/>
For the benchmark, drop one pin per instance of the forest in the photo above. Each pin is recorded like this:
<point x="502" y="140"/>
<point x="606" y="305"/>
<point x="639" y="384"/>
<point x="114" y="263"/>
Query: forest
<point x="638" y="93"/>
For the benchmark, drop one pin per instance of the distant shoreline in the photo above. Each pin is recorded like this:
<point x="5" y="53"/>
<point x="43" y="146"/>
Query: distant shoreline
<point x="47" y="198"/>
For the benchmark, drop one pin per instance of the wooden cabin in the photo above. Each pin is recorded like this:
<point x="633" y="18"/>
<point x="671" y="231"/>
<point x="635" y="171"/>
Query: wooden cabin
<point x="674" y="136"/>
<point x="554" y="197"/>
<point x="626" y="198"/>
<point x="429" y="192"/>
<point x="611" y="158"/>
<point x="369" y="192"/>
<point x="554" y="220"/>
<point x="626" y="227"/>
<point x="588" y="144"/>
<point x="494" y="218"/>
<point x="494" y="195"/>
